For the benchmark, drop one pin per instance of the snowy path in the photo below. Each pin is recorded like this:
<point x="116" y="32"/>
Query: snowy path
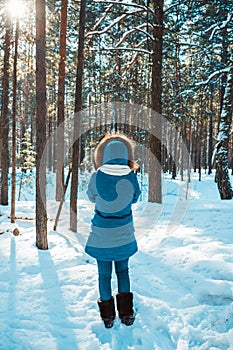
<point x="182" y="283"/>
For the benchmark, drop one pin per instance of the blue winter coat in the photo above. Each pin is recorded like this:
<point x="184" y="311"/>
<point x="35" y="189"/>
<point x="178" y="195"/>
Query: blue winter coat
<point x="113" y="188"/>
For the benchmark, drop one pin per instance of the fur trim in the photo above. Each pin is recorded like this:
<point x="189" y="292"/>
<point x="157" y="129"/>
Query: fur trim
<point x="99" y="151"/>
<point x="115" y="169"/>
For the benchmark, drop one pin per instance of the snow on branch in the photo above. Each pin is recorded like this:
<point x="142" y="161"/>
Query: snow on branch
<point x="125" y="49"/>
<point x="117" y="20"/>
<point x="133" y="30"/>
<point x="135" y="56"/>
<point x="131" y="63"/>
<point x="131" y="4"/>
<point x="205" y="82"/>
<point x="103" y="17"/>
<point x="141" y="42"/>
<point x="215" y="27"/>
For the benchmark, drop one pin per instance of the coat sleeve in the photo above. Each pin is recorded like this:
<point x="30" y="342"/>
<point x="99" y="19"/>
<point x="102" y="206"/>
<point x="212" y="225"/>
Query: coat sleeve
<point x="137" y="190"/>
<point x="91" y="190"/>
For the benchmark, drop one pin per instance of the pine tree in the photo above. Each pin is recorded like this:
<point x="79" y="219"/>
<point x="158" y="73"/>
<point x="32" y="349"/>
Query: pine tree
<point x="13" y="185"/>
<point x="222" y="145"/>
<point x="27" y="160"/>
<point x="41" y="213"/>
<point x="77" y="120"/>
<point x="61" y="103"/>
<point x="4" y="132"/>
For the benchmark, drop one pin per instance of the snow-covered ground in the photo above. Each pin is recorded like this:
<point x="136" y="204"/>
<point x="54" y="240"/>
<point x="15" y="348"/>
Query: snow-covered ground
<point x="182" y="278"/>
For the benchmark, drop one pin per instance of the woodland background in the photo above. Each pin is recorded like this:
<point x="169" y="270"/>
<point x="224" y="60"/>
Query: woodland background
<point x="59" y="57"/>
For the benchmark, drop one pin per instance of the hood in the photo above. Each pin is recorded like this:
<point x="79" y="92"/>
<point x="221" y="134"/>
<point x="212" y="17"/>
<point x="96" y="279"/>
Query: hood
<point x="114" y="149"/>
<point x="115" y="152"/>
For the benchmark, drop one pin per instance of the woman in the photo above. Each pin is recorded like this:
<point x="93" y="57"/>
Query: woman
<point x="113" y="188"/>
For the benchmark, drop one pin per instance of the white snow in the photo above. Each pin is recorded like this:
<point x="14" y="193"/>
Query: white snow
<point x="182" y="278"/>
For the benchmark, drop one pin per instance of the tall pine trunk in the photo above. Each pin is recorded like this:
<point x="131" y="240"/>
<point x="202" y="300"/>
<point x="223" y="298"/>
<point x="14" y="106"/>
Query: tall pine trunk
<point x="13" y="177"/>
<point x="5" y="117"/>
<point x="41" y="213"/>
<point x="221" y="149"/>
<point x="61" y="103"/>
<point x="155" y="185"/>
<point x="210" y="139"/>
<point x="77" y="121"/>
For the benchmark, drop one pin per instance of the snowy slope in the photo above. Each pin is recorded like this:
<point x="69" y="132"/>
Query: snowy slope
<point x="182" y="278"/>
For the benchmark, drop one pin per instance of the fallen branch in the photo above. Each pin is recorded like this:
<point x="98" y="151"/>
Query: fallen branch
<point x="63" y="198"/>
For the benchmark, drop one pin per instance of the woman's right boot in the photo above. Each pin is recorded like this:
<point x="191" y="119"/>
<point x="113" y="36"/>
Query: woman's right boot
<point x="107" y="312"/>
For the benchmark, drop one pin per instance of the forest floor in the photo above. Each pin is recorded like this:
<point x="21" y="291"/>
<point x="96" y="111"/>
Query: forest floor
<point x="181" y="277"/>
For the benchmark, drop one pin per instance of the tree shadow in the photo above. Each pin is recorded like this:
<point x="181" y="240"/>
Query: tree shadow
<point x="61" y="327"/>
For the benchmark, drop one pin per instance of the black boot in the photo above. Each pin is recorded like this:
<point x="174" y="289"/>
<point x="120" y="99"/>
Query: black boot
<point x="107" y="312"/>
<point x="125" y="308"/>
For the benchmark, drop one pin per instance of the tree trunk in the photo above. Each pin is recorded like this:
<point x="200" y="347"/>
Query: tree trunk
<point x="224" y="52"/>
<point x="195" y="144"/>
<point x="222" y="171"/>
<point x="174" y="153"/>
<point x="210" y="139"/>
<point x="41" y="213"/>
<point x="155" y="186"/>
<point x="50" y="148"/>
<point x="200" y="145"/>
<point x="13" y="177"/>
<point x="77" y="122"/>
<point x="5" y="118"/>
<point x="61" y="103"/>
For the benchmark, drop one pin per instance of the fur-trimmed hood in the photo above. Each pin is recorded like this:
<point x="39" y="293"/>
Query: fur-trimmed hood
<point x="100" y="154"/>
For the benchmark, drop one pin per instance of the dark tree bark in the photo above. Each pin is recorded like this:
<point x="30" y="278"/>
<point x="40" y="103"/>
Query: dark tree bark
<point x="50" y="148"/>
<point x="210" y="139"/>
<point x="155" y="186"/>
<point x="77" y="122"/>
<point x="224" y="54"/>
<point x="13" y="177"/>
<point x="41" y="213"/>
<point x="221" y="149"/>
<point x="5" y="117"/>
<point x="175" y="154"/>
<point x="61" y="103"/>
<point x="200" y="146"/>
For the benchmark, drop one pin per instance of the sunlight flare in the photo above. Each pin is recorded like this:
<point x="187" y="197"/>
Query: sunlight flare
<point x="16" y="8"/>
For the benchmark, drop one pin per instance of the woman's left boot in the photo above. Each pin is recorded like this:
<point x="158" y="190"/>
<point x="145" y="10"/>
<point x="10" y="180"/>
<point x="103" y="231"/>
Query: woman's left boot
<point x="107" y="312"/>
<point x="125" y="308"/>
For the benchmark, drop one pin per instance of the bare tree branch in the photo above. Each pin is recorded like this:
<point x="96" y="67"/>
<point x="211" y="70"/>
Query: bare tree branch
<point x="133" y="30"/>
<point x="126" y="49"/>
<point x="117" y="20"/>
<point x="103" y="18"/>
<point x="212" y="76"/>
<point x="215" y="27"/>
<point x="144" y="8"/>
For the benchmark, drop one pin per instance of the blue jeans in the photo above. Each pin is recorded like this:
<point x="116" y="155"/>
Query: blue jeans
<point x="105" y="275"/>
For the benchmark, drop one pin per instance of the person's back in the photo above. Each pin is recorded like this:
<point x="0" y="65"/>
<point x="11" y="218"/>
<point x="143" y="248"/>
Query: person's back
<point x="113" y="188"/>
